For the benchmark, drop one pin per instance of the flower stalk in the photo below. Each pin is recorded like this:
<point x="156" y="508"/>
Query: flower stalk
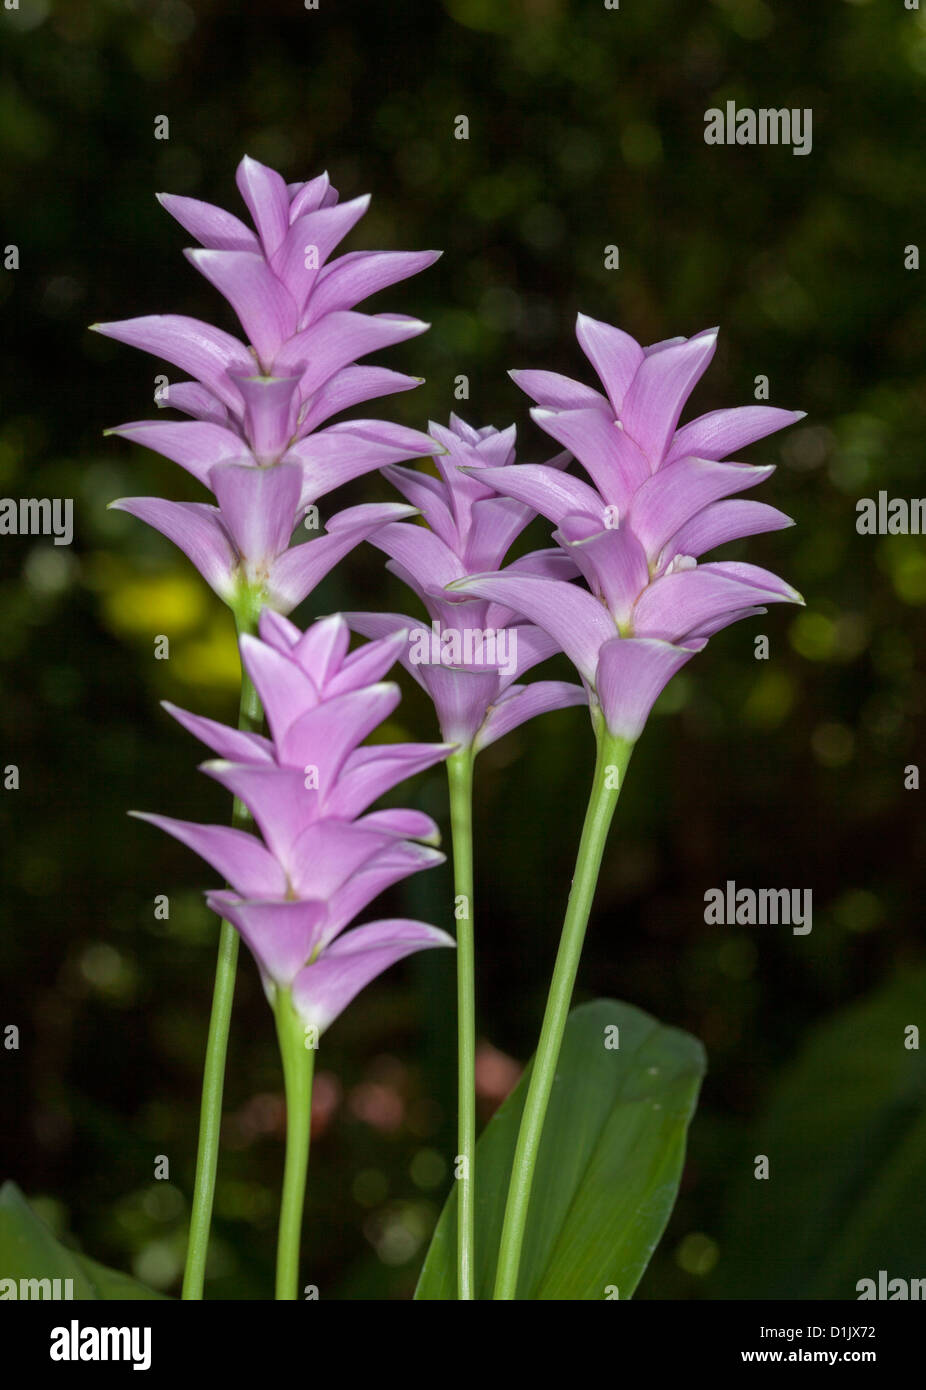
<point x="460" y="779"/>
<point x="250" y="719"/>
<point x="297" y="1050"/>
<point x="610" y="766"/>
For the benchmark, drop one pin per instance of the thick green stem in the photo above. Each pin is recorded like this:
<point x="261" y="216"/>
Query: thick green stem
<point x="250" y="717"/>
<point x="610" y="766"/>
<point x="297" y="1050"/>
<point x="460" y="777"/>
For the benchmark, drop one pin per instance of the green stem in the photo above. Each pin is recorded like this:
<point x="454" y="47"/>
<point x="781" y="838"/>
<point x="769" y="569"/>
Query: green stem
<point x="613" y="757"/>
<point x="460" y="777"/>
<point x="250" y="717"/>
<point x="298" y="1054"/>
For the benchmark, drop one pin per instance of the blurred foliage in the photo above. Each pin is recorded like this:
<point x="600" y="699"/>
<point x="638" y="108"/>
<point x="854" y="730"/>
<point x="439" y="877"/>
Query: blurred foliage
<point x="846" y="1162"/>
<point x="586" y="130"/>
<point x="608" y="1165"/>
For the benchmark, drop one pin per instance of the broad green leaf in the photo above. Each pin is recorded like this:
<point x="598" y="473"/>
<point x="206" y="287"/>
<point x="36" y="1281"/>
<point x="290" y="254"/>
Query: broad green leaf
<point x="608" y="1169"/>
<point x="845" y="1138"/>
<point x="29" y="1251"/>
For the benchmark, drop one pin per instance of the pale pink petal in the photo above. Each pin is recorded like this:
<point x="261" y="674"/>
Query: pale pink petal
<point x="681" y="603"/>
<point x="348" y="387"/>
<point x="237" y="745"/>
<point x="267" y="199"/>
<point x="194" y="399"/>
<point x="611" y="559"/>
<point x="548" y="491"/>
<point x="632" y="673"/>
<point x="338" y="339"/>
<point x="281" y="935"/>
<point x="212" y="227"/>
<point x="579" y="622"/>
<point x="333" y="456"/>
<point x="368" y="773"/>
<point x="724" y="432"/>
<point x="303" y="567"/>
<point x="260" y="507"/>
<point x="265" y="308"/>
<point x="523" y="702"/>
<point x="429" y="496"/>
<point x="660" y="389"/>
<point x="285" y="690"/>
<point x="309" y="242"/>
<point x="420" y="553"/>
<point x="196" y="528"/>
<point x="461" y="699"/>
<point x="606" y="452"/>
<point x="205" y="352"/>
<point x="392" y="864"/>
<point x="724" y="521"/>
<point x="322" y="737"/>
<point x="403" y="823"/>
<point x="239" y="857"/>
<point x="197" y="445"/>
<point x="324" y="989"/>
<point x="615" y="356"/>
<point x="556" y="392"/>
<point x="354" y="277"/>
<point x="270" y="410"/>
<point x="278" y="799"/>
<point x="679" y="490"/>
<point x="309" y="196"/>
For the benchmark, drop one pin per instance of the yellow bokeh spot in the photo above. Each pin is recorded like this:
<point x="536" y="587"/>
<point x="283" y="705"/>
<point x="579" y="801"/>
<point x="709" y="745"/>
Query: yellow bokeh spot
<point x="168" y="603"/>
<point x="838" y="636"/>
<point x="813" y="636"/>
<point x="209" y="660"/>
<point x="770" y="700"/>
<point x="697" y="1254"/>
<point x="908" y="575"/>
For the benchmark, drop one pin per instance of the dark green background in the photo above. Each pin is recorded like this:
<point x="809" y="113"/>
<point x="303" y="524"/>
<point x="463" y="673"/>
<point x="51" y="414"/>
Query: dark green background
<point x="586" y="129"/>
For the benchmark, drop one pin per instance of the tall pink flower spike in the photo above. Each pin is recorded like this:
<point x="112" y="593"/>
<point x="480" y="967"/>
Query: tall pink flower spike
<point x="254" y="438"/>
<point x="658" y="499"/>
<point x="322" y="855"/>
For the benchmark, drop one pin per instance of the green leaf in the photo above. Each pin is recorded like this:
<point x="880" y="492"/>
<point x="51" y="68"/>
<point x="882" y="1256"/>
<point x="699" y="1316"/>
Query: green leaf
<point x="608" y="1168"/>
<point x="845" y="1136"/>
<point x="29" y="1251"/>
